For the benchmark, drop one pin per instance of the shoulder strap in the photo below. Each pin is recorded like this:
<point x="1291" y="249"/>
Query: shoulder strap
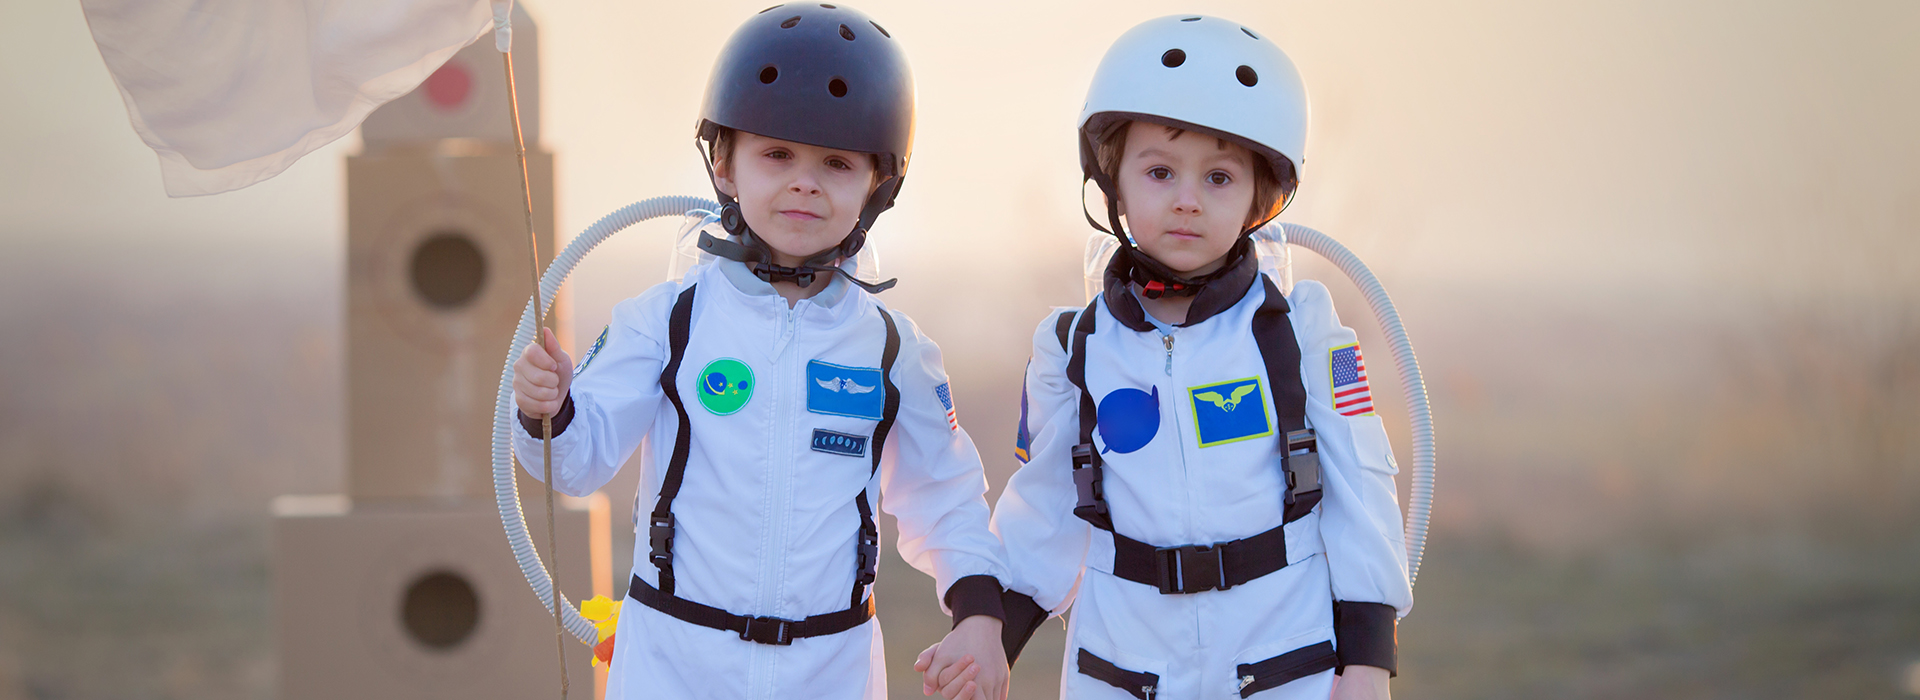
<point x="660" y="524"/>
<point x="1092" y="503"/>
<point x="866" y="556"/>
<point x="1063" y="327"/>
<point x="1280" y="351"/>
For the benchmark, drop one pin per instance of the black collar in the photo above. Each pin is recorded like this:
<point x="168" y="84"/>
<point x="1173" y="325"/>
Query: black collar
<point x="1220" y="294"/>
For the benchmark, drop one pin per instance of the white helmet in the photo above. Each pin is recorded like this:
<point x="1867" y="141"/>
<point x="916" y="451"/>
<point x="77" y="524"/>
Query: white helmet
<point x="1204" y="74"/>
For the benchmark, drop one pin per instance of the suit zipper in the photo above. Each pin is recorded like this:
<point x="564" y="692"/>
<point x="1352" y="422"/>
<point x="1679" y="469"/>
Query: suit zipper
<point x="1167" y="339"/>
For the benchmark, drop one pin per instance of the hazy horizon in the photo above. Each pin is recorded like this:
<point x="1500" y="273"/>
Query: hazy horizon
<point x="1659" y="260"/>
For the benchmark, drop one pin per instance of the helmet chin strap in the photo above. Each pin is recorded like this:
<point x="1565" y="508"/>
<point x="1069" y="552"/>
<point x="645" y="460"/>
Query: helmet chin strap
<point x="758" y="256"/>
<point x="1156" y="280"/>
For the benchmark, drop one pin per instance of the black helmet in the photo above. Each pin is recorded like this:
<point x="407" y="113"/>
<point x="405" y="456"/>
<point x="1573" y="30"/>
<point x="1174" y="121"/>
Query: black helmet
<point x="820" y="74"/>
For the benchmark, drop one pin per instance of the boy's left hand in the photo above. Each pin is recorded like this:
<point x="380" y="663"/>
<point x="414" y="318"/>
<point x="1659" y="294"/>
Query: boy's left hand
<point x="971" y="649"/>
<point x="1361" y="683"/>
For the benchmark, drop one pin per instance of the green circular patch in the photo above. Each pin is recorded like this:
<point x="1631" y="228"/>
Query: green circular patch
<point x="726" y="385"/>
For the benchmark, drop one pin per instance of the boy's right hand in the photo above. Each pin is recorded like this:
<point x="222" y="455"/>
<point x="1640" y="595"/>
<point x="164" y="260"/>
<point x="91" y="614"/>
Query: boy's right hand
<point x="542" y="376"/>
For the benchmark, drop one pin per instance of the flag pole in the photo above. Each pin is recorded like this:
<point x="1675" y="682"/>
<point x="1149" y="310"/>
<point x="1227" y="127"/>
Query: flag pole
<point x="546" y="420"/>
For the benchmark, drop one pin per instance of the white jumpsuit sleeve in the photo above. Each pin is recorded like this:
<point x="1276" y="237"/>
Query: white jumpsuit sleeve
<point x="1046" y="544"/>
<point x="1360" y="522"/>
<point x="616" y="394"/>
<point x="931" y="476"/>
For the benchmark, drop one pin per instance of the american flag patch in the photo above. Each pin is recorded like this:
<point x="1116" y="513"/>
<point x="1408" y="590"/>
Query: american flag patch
<point x="946" y="399"/>
<point x="1351" y="395"/>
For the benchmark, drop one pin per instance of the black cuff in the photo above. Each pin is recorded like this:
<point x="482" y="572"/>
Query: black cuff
<point x="1365" y="635"/>
<point x="560" y="420"/>
<point x="978" y="594"/>
<point x="1023" y="617"/>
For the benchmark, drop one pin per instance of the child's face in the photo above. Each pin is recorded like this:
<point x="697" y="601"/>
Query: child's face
<point x="800" y="199"/>
<point x="1185" y="196"/>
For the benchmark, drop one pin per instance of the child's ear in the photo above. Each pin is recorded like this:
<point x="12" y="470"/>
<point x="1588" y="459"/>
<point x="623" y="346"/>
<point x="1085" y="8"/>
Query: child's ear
<point x="723" y="177"/>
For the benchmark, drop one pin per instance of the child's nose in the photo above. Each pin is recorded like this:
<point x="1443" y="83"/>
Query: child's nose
<point x="1186" y="201"/>
<point x="805" y="184"/>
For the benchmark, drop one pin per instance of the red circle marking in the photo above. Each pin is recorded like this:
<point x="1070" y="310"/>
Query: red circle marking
<point x="448" y="87"/>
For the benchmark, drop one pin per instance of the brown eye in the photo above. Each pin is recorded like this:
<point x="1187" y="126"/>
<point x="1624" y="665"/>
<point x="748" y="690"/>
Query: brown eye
<point x="1160" y="172"/>
<point x="1219" y="178"/>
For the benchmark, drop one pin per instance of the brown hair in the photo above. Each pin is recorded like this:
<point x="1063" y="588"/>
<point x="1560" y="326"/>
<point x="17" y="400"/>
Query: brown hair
<point x="1269" y="191"/>
<point x="723" y="138"/>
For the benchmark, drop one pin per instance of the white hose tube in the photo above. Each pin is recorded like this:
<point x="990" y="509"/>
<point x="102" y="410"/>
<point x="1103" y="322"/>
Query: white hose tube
<point x="506" y="495"/>
<point x="1419" y="413"/>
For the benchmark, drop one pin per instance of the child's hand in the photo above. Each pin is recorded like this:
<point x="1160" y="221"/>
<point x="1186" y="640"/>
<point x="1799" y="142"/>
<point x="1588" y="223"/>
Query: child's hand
<point x="541" y="377"/>
<point x="969" y="664"/>
<point x="1361" y="683"/>
<point x="952" y="681"/>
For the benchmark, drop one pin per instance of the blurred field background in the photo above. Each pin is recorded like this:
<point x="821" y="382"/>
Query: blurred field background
<point x="1660" y="261"/>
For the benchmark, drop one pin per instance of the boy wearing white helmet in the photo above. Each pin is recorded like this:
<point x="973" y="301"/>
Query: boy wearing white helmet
<point x="1208" y="484"/>
<point x="777" y="398"/>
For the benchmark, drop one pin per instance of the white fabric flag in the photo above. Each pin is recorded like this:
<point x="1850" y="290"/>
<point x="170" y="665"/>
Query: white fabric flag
<point x="232" y="92"/>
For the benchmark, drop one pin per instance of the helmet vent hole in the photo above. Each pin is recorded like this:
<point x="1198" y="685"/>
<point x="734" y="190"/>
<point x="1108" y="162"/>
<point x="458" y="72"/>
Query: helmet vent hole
<point x="790" y="22"/>
<point x="837" y="87"/>
<point x="1191" y="19"/>
<point x="770" y="9"/>
<point x="769" y="74"/>
<point x="846" y="33"/>
<point x="1250" y="33"/>
<point x="830" y="7"/>
<point x="1173" y="58"/>
<point x="1247" y="76"/>
<point x="883" y="30"/>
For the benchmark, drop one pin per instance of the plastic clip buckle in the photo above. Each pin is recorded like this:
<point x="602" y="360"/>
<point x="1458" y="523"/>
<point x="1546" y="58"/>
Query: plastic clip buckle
<point x="1086" y="480"/>
<point x="867" y="557"/>
<point x="1191" y="569"/>
<point x="1302" y="463"/>
<point x="768" y="630"/>
<point x="660" y="537"/>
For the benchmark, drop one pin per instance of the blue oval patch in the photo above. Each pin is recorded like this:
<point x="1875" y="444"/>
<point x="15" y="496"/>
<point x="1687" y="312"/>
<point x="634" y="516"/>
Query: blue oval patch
<point x="1129" y="418"/>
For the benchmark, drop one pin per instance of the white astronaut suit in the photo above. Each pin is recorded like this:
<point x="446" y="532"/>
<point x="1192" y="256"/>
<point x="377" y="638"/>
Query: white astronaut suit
<point x="783" y="404"/>
<point x="1188" y="436"/>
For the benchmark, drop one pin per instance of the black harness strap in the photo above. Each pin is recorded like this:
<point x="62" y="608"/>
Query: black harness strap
<point x="1063" y="327"/>
<point x="1087" y="476"/>
<point x="660" y="523"/>
<point x="1222" y="565"/>
<point x="867" y="554"/>
<point x="660" y="531"/>
<point x="1280" y="350"/>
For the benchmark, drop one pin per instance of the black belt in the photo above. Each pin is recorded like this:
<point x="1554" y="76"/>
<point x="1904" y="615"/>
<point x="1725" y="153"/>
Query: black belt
<point x="763" y="630"/>
<point x="1196" y="568"/>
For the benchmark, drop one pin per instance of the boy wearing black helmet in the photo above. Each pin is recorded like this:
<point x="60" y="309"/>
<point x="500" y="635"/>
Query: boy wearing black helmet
<point x="1208" y="483"/>
<point x="777" y="397"/>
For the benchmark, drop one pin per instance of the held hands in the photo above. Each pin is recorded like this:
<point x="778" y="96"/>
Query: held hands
<point x="542" y="376"/>
<point x="1361" y="683"/>
<point x="969" y="664"/>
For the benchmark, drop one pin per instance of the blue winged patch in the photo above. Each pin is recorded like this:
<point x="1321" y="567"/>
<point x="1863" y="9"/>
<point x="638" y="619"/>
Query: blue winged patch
<point x="1229" y="411"/>
<point x="835" y="390"/>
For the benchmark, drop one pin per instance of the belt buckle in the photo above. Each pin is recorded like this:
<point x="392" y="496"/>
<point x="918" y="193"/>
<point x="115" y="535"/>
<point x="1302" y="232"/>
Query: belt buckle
<point x="768" y="630"/>
<point x="1191" y="569"/>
